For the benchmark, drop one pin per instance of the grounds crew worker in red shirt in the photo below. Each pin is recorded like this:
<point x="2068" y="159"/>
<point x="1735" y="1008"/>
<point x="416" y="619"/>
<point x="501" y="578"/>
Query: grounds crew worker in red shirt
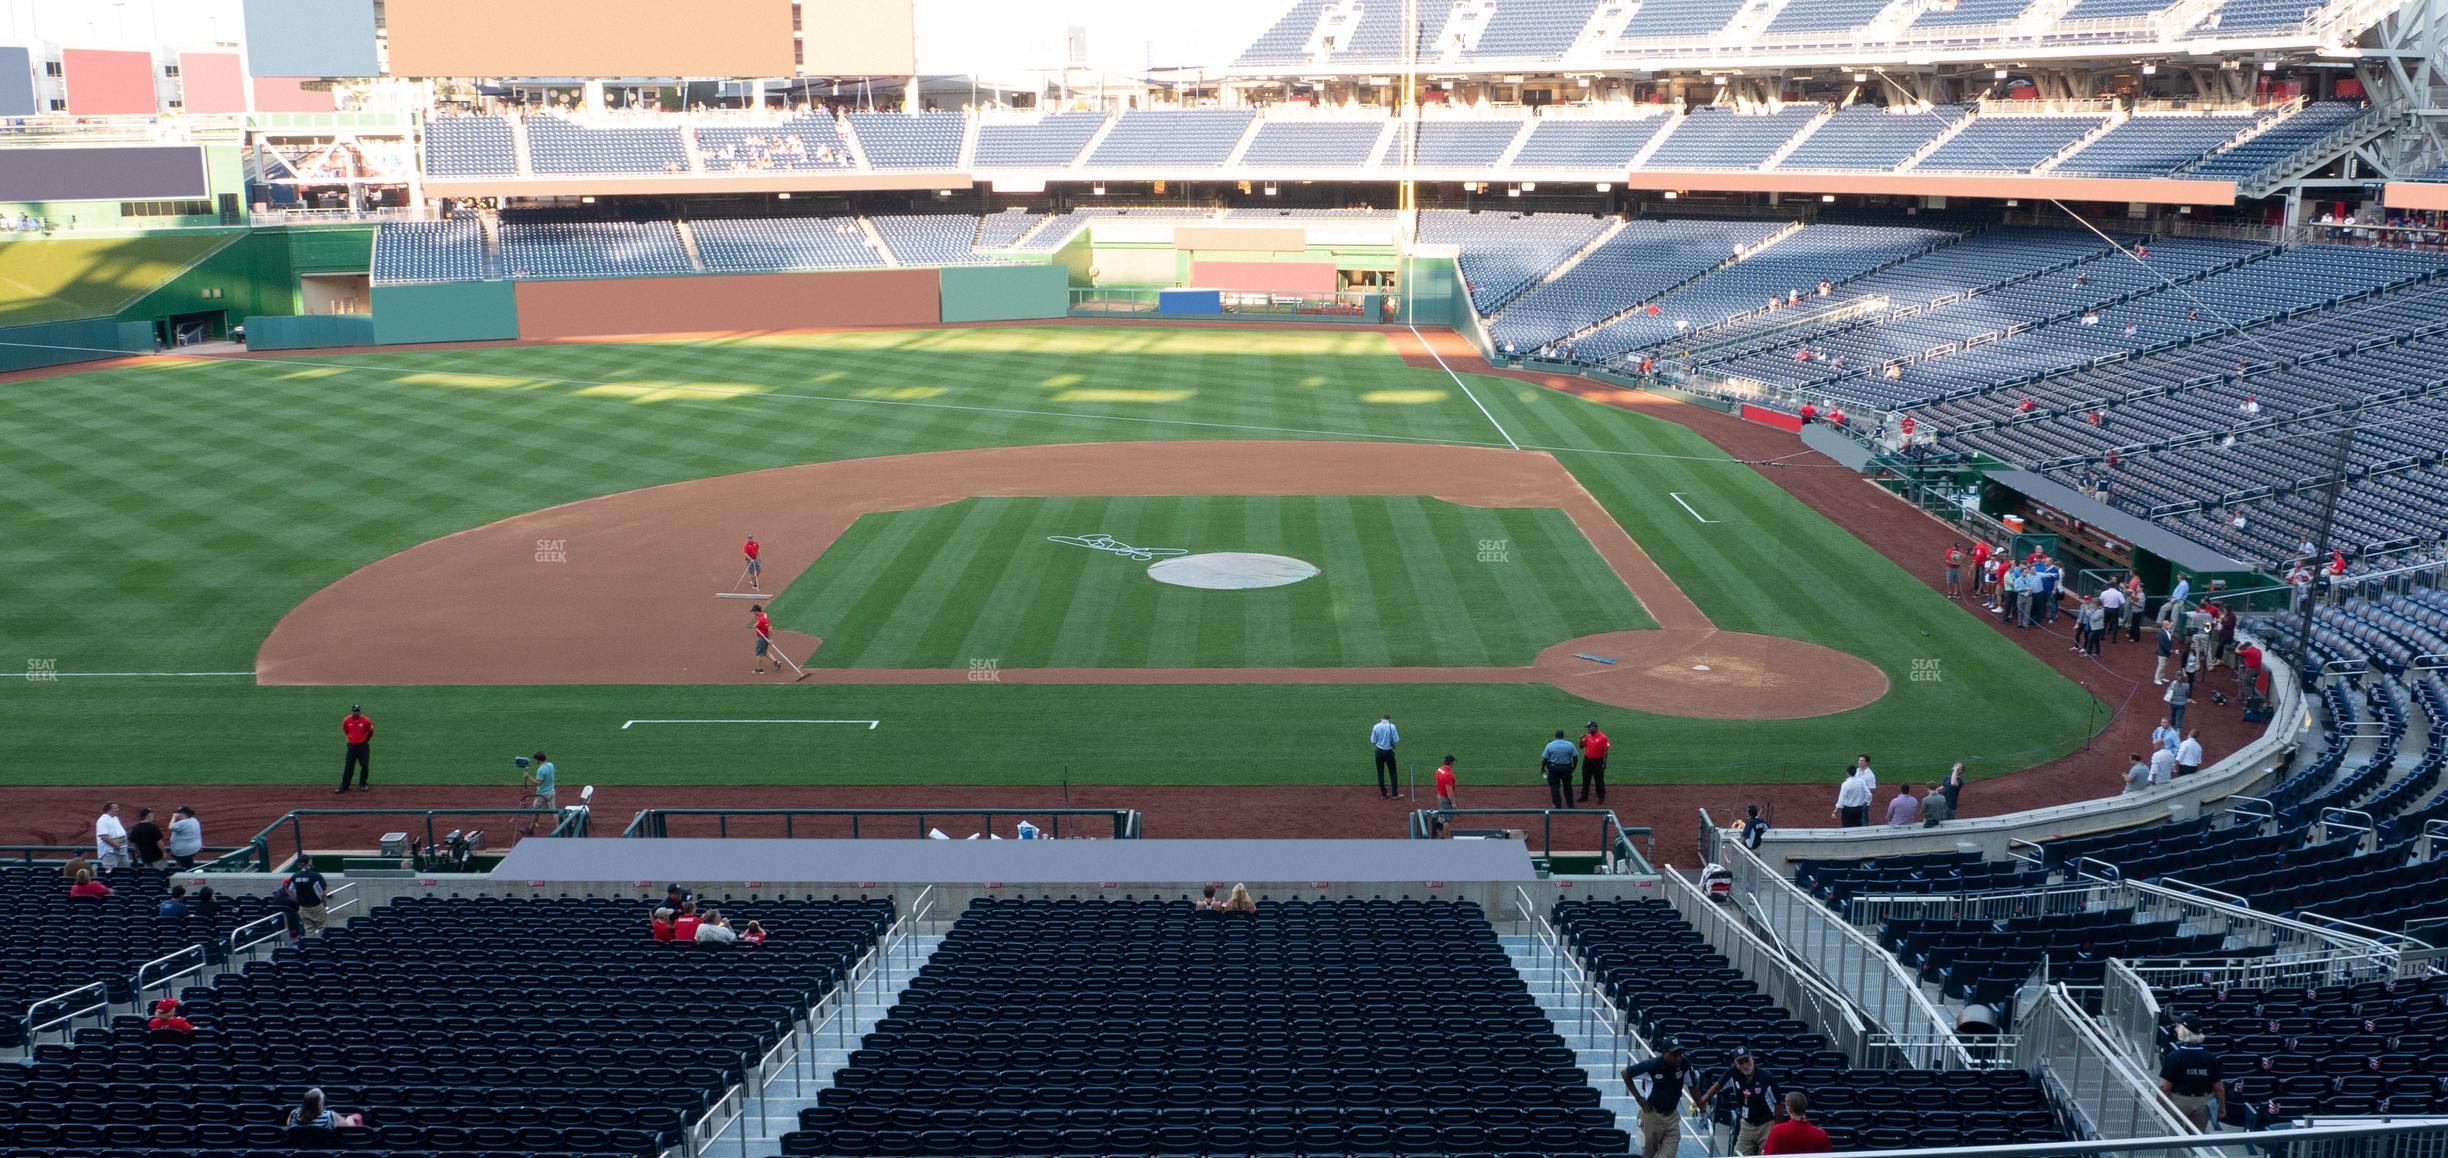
<point x="359" y="731"/>
<point x="764" y="635"/>
<point x="756" y="565"/>
<point x="1594" y="745"/>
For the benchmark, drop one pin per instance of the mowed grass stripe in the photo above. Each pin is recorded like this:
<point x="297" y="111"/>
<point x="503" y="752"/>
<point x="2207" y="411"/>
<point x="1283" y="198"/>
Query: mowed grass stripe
<point x="1402" y="584"/>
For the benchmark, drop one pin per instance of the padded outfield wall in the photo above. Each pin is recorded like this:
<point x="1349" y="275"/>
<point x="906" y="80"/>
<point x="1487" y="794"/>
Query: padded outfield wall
<point x="477" y="311"/>
<point x="62" y="343"/>
<point x="727" y="303"/>
<point x="1004" y="293"/>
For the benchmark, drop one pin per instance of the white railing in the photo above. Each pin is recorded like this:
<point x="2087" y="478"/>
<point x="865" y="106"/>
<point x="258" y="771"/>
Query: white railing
<point x="243" y="941"/>
<point x="2129" y="1011"/>
<point x="2048" y="901"/>
<point x="2113" y="1097"/>
<point x="62" y="1010"/>
<point x="1848" y="960"/>
<point x="726" y="1112"/>
<point x="1808" y="998"/>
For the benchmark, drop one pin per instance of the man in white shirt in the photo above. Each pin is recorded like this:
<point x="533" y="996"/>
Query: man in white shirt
<point x="2189" y="754"/>
<point x="1382" y="739"/>
<point x="2162" y="766"/>
<point x="110" y="837"/>
<point x="716" y="928"/>
<point x="2112" y="611"/>
<point x="1853" y="796"/>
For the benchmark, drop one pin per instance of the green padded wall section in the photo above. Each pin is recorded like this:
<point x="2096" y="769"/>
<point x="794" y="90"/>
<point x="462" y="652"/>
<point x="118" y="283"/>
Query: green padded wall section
<point x="55" y="279"/>
<point x="309" y="331"/>
<point x="474" y="311"/>
<point x="1004" y="293"/>
<point x="62" y="343"/>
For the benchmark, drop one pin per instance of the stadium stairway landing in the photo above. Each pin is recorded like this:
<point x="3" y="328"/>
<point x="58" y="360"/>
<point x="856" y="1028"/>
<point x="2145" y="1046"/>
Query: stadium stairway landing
<point x="796" y="1087"/>
<point x="1562" y="1003"/>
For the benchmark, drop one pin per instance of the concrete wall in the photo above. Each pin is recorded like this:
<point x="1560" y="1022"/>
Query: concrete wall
<point x="1002" y="293"/>
<point x="445" y="312"/>
<point x="727" y="303"/>
<point x="1297" y="277"/>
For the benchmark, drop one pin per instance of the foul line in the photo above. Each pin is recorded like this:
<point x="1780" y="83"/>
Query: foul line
<point x="1466" y="390"/>
<point x="42" y="675"/>
<point x="1678" y="498"/>
<point x="871" y="724"/>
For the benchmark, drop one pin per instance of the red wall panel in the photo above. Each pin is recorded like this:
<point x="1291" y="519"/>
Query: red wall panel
<point x="727" y="303"/>
<point x="281" y="94"/>
<point x="106" y="84"/>
<point x="209" y="82"/>
<point x="1775" y="418"/>
<point x="1290" y="277"/>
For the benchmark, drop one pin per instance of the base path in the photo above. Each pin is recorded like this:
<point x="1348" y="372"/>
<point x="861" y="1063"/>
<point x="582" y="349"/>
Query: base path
<point x="619" y="589"/>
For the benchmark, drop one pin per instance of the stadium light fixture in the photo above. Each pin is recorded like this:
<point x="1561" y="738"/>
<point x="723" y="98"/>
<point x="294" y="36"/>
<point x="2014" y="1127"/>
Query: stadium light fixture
<point x="1512" y="190"/>
<point x="2269" y="66"/>
<point x="586" y="201"/>
<point x="1529" y="186"/>
<point x="1719" y="81"/>
<point x="782" y="196"/>
<point x="1603" y="187"/>
<point x="1997" y="74"/>
<point x="1097" y="189"/>
<point x="1861" y="78"/>
<point x="1827" y="198"/>
<point x="1270" y="189"/>
<point x="1670" y="195"/>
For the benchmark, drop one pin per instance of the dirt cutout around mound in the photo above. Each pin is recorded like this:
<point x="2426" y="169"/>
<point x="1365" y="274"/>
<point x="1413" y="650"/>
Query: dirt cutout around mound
<point x="620" y="589"/>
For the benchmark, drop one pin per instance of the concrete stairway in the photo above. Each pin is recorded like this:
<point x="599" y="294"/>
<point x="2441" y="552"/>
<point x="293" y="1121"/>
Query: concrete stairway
<point x="797" y="1085"/>
<point x="1591" y="1040"/>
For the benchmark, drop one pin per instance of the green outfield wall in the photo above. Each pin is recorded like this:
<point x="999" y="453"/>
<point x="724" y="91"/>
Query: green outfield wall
<point x="475" y="311"/>
<point x="64" y="343"/>
<point x="309" y="331"/>
<point x="1004" y="293"/>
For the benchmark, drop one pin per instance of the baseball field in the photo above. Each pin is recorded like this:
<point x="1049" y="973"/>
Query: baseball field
<point x="505" y="548"/>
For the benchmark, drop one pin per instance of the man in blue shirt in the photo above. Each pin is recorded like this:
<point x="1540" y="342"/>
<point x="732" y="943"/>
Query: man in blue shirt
<point x="1657" y="1086"/>
<point x="305" y="891"/>
<point x="1556" y="760"/>
<point x="540" y="784"/>
<point x="2189" y="1075"/>
<point x="1382" y="740"/>
<point x="2050" y="575"/>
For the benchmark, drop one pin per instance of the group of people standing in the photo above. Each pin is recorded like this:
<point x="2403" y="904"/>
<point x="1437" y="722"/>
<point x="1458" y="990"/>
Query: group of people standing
<point x="1558" y="760"/>
<point x="1932" y="806"/>
<point x="116" y="845"/>
<point x="1765" y="1117"/>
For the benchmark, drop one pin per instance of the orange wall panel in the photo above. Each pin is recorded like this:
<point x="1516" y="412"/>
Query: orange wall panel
<point x="288" y="94"/>
<point x="209" y="82"/>
<point x="584" y="38"/>
<point x="726" y="303"/>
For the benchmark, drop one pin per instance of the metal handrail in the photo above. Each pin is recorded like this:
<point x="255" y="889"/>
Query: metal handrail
<point x="655" y="822"/>
<point x="159" y="972"/>
<point x="1932" y="1024"/>
<point x="1614" y="838"/>
<point x="1837" y="1016"/>
<point x="2096" y="1065"/>
<point x="334" y="905"/>
<point x="246" y="937"/>
<point x="34" y="1027"/>
<point x="260" y="846"/>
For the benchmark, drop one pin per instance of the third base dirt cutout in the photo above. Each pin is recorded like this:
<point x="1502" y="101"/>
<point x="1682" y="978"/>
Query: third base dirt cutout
<point x="634" y="606"/>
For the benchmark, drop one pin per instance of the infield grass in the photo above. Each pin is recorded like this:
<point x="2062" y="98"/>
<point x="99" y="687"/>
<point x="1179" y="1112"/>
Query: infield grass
<point x="162" y="518"/>
<point x="1404" y="581"/>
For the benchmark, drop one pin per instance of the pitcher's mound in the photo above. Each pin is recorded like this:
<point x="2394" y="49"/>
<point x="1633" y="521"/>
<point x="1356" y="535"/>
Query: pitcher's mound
<point x="1231" y="571"/>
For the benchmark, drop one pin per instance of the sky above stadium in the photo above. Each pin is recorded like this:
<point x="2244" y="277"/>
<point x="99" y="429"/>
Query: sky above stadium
<point x="1001" y="36"/>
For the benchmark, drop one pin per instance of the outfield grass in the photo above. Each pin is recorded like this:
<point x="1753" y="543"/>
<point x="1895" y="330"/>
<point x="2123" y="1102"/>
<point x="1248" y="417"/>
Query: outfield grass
<point x="162" y="518"/>
<point x="1402" y="582"/>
